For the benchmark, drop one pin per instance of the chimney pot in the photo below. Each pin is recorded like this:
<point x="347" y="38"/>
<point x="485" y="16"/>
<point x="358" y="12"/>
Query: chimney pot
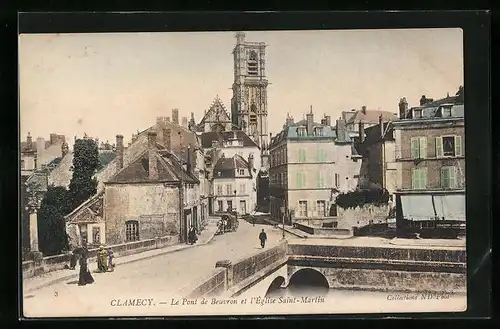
<point x="153" y="169"/>
<point x="310" y="121"/>
<point x="119" y="152"/>
<point x="363" y="109"/>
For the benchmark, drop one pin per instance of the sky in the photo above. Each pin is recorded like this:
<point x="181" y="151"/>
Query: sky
<point x="108" y="83"/>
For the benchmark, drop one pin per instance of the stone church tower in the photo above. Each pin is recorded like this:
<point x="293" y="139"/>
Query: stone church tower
<point x="249" y="102"/>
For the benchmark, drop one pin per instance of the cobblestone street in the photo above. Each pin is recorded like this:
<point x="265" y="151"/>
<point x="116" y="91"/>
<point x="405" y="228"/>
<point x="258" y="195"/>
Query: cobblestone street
<point x="157" y="278"/>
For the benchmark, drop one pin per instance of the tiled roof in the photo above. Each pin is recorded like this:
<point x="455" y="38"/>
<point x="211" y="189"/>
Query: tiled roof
<point x="227" y="166"/>
<point x="169" y="170"/>
<point x="208" y="137"/>
<point x="371" y="117"/>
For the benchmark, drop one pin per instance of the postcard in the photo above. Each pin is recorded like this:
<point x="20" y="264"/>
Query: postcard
<point x="242" y="173"/>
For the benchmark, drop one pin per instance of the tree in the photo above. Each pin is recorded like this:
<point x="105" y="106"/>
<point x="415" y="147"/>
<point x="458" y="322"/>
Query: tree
<point x="52" y="237"/>
<point x="83" y="185"/>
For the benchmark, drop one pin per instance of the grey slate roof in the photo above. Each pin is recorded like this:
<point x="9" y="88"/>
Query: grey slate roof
<point x="208" y="137"/>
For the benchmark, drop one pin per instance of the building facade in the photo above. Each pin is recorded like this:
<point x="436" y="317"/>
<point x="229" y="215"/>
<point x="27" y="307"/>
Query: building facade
<point x="310" y="164"/>
<point x="430" y="153"/>
<point x="249" y="101"/>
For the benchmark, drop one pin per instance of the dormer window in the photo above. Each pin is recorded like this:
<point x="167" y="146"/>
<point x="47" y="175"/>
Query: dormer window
<point x="241" y="172"/>
<point x="446" y="111"/>
<point x="301" y="131"/>
<point x="318" y="131"/>
<point x="417" y="113"/>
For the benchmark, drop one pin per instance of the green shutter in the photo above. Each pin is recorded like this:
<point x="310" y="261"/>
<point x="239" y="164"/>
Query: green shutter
<point x="445" y="178"/>
<point x="298" y="178"/>
<point x="414" y="148"/>
<point x="303" y="175"/>
<point x="422" y="141"/>
<point x="424" y="178"/>
<point x="414" y="179"/>
<point x="453" y="177"/>
<point x="458" y="145"/>
<point x="439" y="147"/>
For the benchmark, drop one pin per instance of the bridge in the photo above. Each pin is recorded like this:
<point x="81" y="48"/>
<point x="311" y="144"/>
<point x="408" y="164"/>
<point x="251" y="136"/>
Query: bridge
<point x="233" y="266"/>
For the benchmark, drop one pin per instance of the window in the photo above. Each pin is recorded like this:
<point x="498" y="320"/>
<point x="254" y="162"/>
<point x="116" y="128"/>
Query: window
<point x="301" y="131"/>
<point x="417" y="114"/>
<point x="337" y="180"/>
<point x="241" y="172"/>
<point x="302" y="208"/>
<point x="419" y="147"/>
<point x="219" y="189"/>
<point x="320" y="179"/>
<point x="229" y="205"/>
<point x="229" y="189"/>
<point x="22" y="164"/>
<point x="252" y="63"/>
<point x="419" y="179"/>
<point x="446" y="111"/>
<point x="321" y="208"/>
<point x="301" y="179"/>
<point x="132" y="230"/>
<point x="318" y="131"/>
<point x="447" y="146"/>
<point x="242" y="188"/>
<point x="243" y="207"/>
<point x="448" y="177"/>
<point x="220" y="205"/>
<point x="302" y="155"/>
<point x="321" y="155"/>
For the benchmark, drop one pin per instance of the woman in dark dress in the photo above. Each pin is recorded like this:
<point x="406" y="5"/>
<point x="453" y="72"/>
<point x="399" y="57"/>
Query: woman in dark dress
<point x="85" y="277"/>
<point x="192" y="238"/>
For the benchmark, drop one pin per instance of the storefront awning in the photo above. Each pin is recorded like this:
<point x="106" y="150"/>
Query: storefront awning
<point x="428" y="206"/>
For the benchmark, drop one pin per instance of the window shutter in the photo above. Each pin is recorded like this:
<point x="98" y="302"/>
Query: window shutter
<point x="423" y="147"/>
<point x="424" y="178"/>
<point x="414" y="179"/>
<point x="444" y="177"/>
<point x="298" y="180"/>
<point x="414" y="148"/>
<point x="458" y="145"/>
<point x="303" y="179"/>
<point x="439" y="147"/>
<point x="453" y="177"/>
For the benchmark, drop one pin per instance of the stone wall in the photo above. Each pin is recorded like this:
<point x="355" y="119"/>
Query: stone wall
<point x="141" y="202"/>
<point x="390" y="253"/>
<point x="384" y="280"/>
<point x="362" y="216"/>
<point x="213" y="285"/>
<point x="59" y="262"/>
<point x="315" y="230"/>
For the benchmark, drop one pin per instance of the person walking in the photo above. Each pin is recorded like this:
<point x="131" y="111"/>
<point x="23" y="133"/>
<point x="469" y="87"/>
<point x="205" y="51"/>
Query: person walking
<point x="262" y="238"/>
<point x="102" y="259"/>
<point x="111" y="266"/>
<point x="84" y="276"/>
<point x="192" y="238"/>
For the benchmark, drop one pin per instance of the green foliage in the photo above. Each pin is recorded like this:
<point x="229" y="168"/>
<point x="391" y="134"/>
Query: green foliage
<point x="83" y="185"/>
<point x="359" y="198"/>
<point x="52" y="237"/>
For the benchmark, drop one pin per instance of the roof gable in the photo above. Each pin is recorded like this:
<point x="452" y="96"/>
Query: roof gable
<point x="216" y="113"/>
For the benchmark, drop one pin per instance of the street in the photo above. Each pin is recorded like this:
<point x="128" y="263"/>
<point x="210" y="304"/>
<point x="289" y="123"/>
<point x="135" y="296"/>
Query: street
<point x="158" y="278"/>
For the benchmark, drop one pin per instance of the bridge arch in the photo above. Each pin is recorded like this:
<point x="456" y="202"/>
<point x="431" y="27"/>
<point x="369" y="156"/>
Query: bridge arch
<point x="275" y="286"/>
<point x="308" y="281"/>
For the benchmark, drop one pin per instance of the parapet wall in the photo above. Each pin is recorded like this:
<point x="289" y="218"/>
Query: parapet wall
<point x="59" y="262"/>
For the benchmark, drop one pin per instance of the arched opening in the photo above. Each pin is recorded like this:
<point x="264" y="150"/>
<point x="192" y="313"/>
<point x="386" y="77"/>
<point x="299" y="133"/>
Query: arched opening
<point x="308" y="282"/>
<point x="274" y="289"/>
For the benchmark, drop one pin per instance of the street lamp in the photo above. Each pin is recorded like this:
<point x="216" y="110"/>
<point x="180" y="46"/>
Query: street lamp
<point x="283" y="212"/>
<point x="234" y="204"/>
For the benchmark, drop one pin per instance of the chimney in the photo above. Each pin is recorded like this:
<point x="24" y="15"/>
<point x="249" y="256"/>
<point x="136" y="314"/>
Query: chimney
<point x="361" y="132"/>
<point x="423" y="100"/>
<point x="403" y="108"/>
<point x="185" y="122"/>
<point x="363" y="109"/>
<point x="250" y="161"/>
<point x="328" y="120"/>
<point x="153" y="170"/>
<point x="64" y="149"/>
<point x="289" y="120"/>
<point x="159" y="120"/>
<point x="167" y="119"/>
<point x="175" y="116"/>
<point x="167" y="139"/>
<point x="119" y="152"/>
<point x="310" y="121"/>
<point x="341" y="130"/>
<point x="29" y="142"/>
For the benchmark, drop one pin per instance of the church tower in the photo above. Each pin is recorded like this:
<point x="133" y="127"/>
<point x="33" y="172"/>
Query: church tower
<point x="249" y="102"/>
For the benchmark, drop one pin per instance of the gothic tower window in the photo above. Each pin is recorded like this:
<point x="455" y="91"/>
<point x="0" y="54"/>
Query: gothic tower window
<point x="252" y="63"/>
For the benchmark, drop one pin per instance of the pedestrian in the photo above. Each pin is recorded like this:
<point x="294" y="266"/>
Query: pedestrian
<point x="262" y="238"/>
<point x="192" y="238"/>
<point x="253" y="220"/>
<point x="102" y="259"/>
<point x="84" y="277"/>
<point x="111" y="266"/>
